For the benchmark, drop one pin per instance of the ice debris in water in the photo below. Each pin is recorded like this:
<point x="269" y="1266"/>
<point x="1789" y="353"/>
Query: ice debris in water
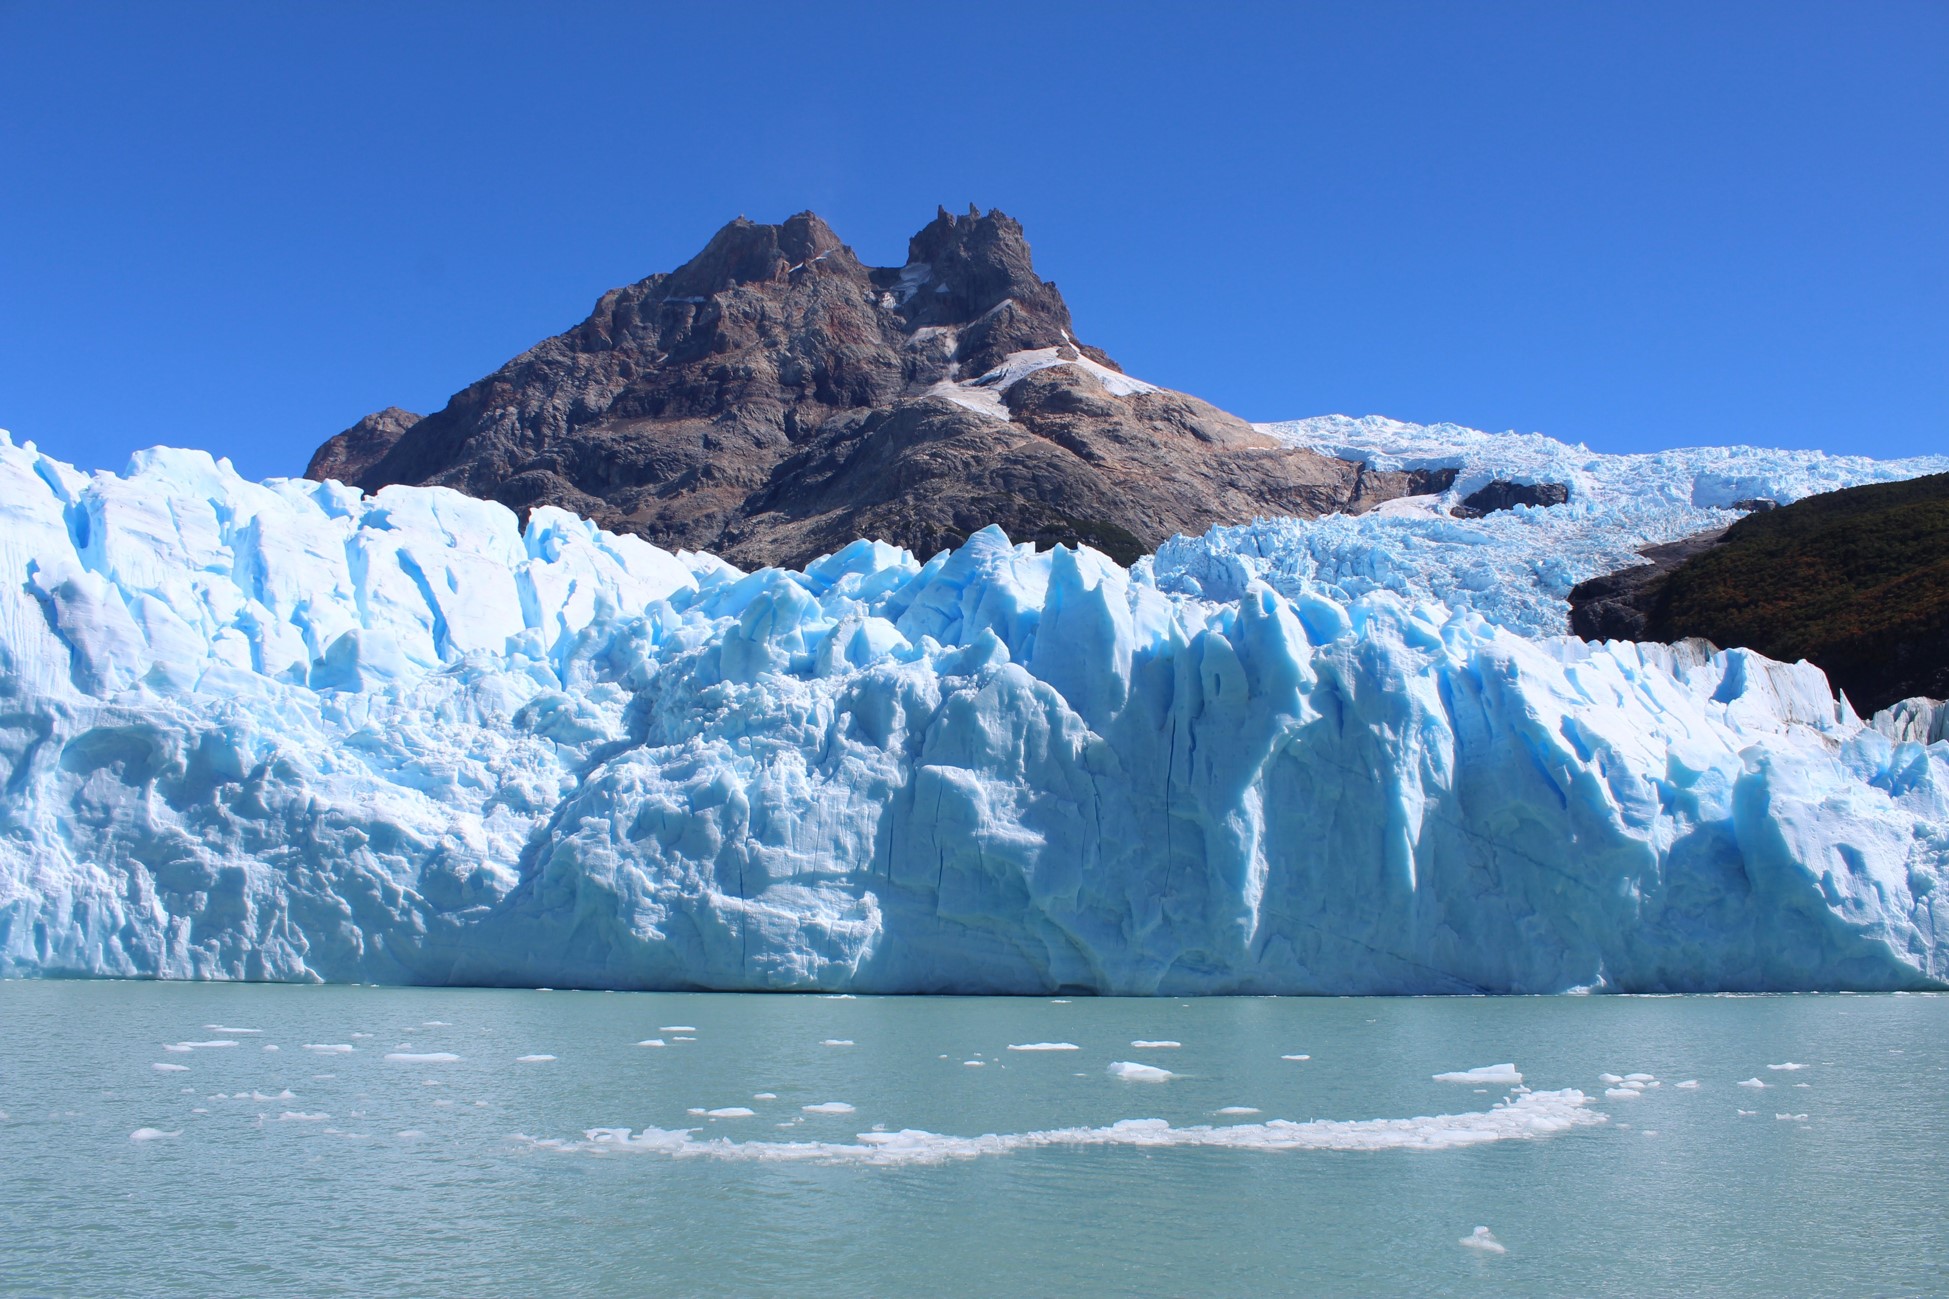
<point x="1131" y="1071"/>
<point x="651" y="1041"/>
<point x="677" y="1028"/>
<point x="1028" y="1046"/>
<point x="161" y="1067"/>
<point x="1238" y="1109"/>
<point x="764" y="1096"/>
<point x="153" y="1134"/>
<point x="730" y="1112"/>
<point x="329" y="1048"/>
<point x="1484" y="1241"/>
<point x="533" y="1059"/>
<point x="1296" y="1057"/>
<point x="556" y="732"/>
<point x="1500" y="1074"/>
<point x="1622" y="1093"/>
<point x="1751" y="1082"/>
<point x="1529" y="1117"/>
<point x="1789" y="1065"/>
<point x="422" y="1057"/>
<point x="828" y="1107"/>
<point x="837" y="1041"/>
<point x="1689" y="1085"/>
<point x="1162" y="1045"/>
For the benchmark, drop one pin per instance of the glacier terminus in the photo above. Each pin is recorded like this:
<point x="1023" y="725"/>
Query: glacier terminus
<point x="288" y="731"/>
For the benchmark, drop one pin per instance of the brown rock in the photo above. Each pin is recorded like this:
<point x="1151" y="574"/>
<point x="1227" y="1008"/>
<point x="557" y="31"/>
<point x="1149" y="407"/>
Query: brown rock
<point x="774" y="398"/>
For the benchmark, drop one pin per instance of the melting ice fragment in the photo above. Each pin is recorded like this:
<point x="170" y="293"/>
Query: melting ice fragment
<point x="828" y="1107"/>
<point x="1131" y="1071"/>
<point x="1026" y="1046"/>
<point x="1495" y="1074"/>
<point x="1483" y="1241"/>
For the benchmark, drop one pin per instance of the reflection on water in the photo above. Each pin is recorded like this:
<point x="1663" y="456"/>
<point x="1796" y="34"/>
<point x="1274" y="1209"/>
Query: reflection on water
<point x="202" y="1139"/>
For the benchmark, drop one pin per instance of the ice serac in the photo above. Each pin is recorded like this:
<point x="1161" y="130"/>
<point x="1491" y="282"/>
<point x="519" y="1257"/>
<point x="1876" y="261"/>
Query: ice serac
<point x="289" y="731"/>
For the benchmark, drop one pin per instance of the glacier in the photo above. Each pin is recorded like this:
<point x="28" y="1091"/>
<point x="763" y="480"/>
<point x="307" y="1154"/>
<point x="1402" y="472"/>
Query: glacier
<point x="286" y="731"/>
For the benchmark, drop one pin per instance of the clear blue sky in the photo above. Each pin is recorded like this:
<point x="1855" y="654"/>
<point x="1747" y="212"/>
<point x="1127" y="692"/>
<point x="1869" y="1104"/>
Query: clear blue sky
<point x="242" y="226"/>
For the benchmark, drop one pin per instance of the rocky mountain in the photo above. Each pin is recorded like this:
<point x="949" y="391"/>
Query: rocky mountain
<point x="1855" y="581"/>
<point x="775" y="397"/>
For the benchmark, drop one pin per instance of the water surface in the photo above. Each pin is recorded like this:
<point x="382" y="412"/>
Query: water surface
<point x="478" y="1174"/>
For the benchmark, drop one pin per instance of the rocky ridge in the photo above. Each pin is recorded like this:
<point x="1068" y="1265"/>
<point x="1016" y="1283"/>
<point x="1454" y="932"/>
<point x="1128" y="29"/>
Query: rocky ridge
<point x="775" y="398"/>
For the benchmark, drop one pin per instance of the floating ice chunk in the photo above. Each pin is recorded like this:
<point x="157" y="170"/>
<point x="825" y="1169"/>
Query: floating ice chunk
<point x="677" y="1028"/>
<point x="270" y="1046"/>
<point x="1024" y="1046"/>
<point x="163" y="1067"/>
<point x="1131" y="1071"/>
<point x="1238" y="1109"/>
<point x="533" y="1059"/>
<point x="1689" y="1085"/>
<point x="329" y="1048"/>
<point x="422" y="1057"/>
<point x="232" y="1032"/>
<point x="1745" y="1113"/>
<point x="298" y="1116"/>
<point x="1162" y="1045"/>
<point x="1787" y="1067"/>
<point x="178" y="1048"/>
<point x="153" y="1134"/>
<point x="1792" y="1118"/>
<point x="1751" y="1082"/>
<point x="764" y="1096"/>
<point x="1504" y="1074"/>
<point x="828" y="1107"/>
<point x="1610" y="1079"/>
<point x="837" y="1041"/>
<point x="435" y="1023"/>
<point x="1484" y="1241"/>
<point x="1295" y="1057"/>
<point x="1639" y="1077"/>
<point x="1799" y="1086"/>
<point x="1535" y="1116"/>
<point x="1621" y="1093"/>
<point x="357" y="1035"/>
<point x="697" y="1110"/>
<point x="410" y="1134"/>
<point x="651" y="1041"/>
<point x="974" y="1064"/>
<point x="729" y="1112"/>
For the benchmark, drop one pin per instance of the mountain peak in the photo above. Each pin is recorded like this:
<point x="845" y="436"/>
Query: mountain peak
<point x="773" y="399"/>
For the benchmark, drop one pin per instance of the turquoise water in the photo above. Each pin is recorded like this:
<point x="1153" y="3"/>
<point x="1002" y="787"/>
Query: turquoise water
<point x="475" y="1175"/>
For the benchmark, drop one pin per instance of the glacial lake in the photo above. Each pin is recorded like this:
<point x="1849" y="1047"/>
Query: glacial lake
<point x="520" y="1143"/>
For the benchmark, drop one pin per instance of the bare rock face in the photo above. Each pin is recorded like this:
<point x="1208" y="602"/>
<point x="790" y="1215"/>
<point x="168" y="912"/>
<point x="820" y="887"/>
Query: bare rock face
<point x="774" y="398"/>
<point x="349" y="454"/>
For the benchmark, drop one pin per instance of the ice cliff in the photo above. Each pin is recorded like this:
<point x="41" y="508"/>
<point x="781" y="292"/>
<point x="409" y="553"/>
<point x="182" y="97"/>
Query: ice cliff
<point x="286" y="731"/>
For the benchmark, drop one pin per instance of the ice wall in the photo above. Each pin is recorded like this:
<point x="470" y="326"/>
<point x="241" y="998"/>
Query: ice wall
<point x="284" y="731"/>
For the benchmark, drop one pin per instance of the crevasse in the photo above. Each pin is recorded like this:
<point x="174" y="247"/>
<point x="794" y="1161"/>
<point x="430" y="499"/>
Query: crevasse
<point x="285" y="731"/>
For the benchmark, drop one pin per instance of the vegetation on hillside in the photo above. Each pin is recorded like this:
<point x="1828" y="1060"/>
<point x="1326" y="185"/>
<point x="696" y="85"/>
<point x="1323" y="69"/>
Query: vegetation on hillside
<point x="1856" y="581"/>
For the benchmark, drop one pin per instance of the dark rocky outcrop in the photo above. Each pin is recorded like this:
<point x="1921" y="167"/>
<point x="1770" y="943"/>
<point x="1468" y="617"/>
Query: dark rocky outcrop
<point x="774" y="398"/>
<point x="1501" y="494"/>
<point x="1855" y="581"/>
<point x="348" y="455"/>
<point x="1617" y="606"/>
